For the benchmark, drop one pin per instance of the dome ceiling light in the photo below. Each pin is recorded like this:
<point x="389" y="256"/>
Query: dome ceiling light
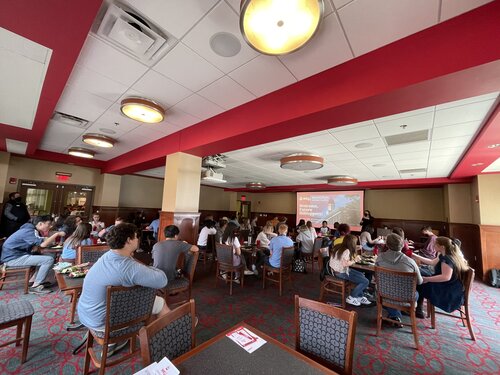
<point x="143" y="110"/>
<point x="302" y="162"/>
<point x="278" y="27"/>
<point x="342" y="180"/>
<point x="255" y="185"/>
<point x="81" y="152"/>
<point x="98" y="140"/>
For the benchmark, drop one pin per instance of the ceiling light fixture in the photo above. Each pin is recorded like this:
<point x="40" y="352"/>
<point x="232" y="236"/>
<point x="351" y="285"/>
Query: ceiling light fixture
<point x="98" y="140"/>
<point x="363" y="145"/>
<point x="143" y="110"/>
<point x="302" y="162"/>
<point x="342" y="180"/>
<point x="256" y="185"/>
<point x="278" y="27"/>
<point x="81" y="152"/>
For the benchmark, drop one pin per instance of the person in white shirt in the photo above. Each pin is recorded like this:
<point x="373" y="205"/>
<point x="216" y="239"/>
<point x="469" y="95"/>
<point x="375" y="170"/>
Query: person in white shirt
<point x="97" y="225"/>
<point x="312" y="229"/>
<point x="324" y="230"/>
<point x="306" y="240"/>
<point x="203" y="237"/>
<point x="230" y="237"/>
<point x="264" y="237"/>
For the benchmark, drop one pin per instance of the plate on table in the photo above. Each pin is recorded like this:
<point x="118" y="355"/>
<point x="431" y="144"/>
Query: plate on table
<point x="56" y="247"/>
<point x="77" y="274"/>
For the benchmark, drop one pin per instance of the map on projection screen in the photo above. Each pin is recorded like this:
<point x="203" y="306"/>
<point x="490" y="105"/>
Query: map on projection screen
<point x="342" y="206"/>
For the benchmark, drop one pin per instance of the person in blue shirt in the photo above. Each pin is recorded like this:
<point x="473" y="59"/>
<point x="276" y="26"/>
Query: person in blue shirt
<point x="17" y="250"/>
<point x="277" y="244"/>
<point x="81" y="236"/>
<point x="155" y="224"/>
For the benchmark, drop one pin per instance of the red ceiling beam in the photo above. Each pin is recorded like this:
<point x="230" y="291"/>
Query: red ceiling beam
<point x="450" y="61"/>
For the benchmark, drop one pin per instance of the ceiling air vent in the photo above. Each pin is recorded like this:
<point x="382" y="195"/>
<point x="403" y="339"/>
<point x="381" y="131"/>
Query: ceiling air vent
<point x="399" y="139"/>
<point x="130" y="32"/>
<point x="66" y="119"/>
<point x="411" y="171"/>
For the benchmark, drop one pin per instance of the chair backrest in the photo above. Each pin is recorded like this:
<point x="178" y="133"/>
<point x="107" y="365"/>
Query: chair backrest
<point x="224" y="254"/>
<point x="467" y="281"/>
<point x="193" y="260"/>
<point x="287" y="255"/>
<point x="243" y="235"/>
<point x="396" y="285"/>
<point x="127" y="309"/>
<point x="211" y="242"/>
<point x="318" y="242"/>
<point x="170" y="335"/>
<point x="325" y="334"/>
<point x="90" y="253"/>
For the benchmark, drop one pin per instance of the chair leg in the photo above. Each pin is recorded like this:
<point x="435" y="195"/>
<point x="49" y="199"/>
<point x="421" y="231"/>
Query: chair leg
<point x="104" y="357"/>
<point x="433" y="316"/>
<point x="27" y="280"/>
<point x="26" y="338"/>
<point x="216" y="274"/>
<point x="462" y="315"/>
<point x="90" y="342"/>
<point x="74" y="301"/>
<point x="264" y="274"/>
<point x="231" y="283"/>
<point x="132" y="344"/>
<point x="343" y="295"/>
<point x="379" y="316"/>
<point x="321" y="292"/>
<point x="281" y="284"/>
<point x="19" y="332"/>
<point x="469" y="324"/>
<point x="414" y="327"/>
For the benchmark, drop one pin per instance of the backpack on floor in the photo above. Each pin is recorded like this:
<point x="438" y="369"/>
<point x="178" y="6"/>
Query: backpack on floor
<point x="495" y="278"/>
<point x="299" y="265"/>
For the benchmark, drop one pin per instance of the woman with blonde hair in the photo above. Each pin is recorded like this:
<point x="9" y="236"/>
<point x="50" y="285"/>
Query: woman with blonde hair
<point x="445" y="288"/>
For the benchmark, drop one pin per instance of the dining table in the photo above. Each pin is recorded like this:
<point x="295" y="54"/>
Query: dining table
<point x="223" y="356"/>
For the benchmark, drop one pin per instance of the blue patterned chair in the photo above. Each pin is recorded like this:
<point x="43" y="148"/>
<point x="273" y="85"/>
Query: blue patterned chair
<point x="17" y="313"/>
<point x="278" y="275"/>
<point x="170" y="335"/>
<point x="397" y="290"/>
<point x="90" y="253"/>
<point x="127" y="311"/>
<point x="225" y="266"/>
<point x="325" y="334"/>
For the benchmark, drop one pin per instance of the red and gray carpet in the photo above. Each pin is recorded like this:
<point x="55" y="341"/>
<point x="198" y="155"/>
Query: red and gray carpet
<point x="446" y="350"/>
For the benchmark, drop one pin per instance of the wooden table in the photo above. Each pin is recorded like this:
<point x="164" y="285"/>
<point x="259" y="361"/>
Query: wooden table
<point x="364" y="267"/>
<point x="223" y="356"/>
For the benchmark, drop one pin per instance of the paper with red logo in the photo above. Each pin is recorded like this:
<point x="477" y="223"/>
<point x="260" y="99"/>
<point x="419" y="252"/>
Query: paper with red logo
<point x="246" y="339"/>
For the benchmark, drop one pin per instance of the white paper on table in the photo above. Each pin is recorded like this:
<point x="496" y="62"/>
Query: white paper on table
<point x="246" y="339"/>
<point x="164" y="367"/>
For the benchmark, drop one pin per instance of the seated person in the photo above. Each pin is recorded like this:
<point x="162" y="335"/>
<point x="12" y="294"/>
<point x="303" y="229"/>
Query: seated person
<point x="230" y="237"/>
<point x="306" y="240"/>
<point x="343" y="230"/>
<point x="365" y="239"/>
<point x="427" y="248"/>
<point x="264" y="237"/>
<point x="220" y="227"/>
<point x="309" y="225"/>
<point x="276" y="246"/>
<point x="154" y="226"/>
<point x="117" y="267"/>
<point x="102" y="233"/>
<point x="16" y="250"/>
<point x="335" y="231"/>
<point x="343" y="256"/>
<point x="406" y="247"/>
<point x="394" y="259"/>
<point x="324" y="230"/>
<point x="165" y="253"/>
<point x="208" y="228"/>
<point x="445" y="288"/>
<point x="81" y="236"/>
<point x="245" y="224"/>
<point x="97" y="225"/>
<point x="301" y="222"/>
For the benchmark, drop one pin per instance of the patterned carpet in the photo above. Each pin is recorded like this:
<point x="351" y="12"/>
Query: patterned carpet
<point x="447" y="350"/>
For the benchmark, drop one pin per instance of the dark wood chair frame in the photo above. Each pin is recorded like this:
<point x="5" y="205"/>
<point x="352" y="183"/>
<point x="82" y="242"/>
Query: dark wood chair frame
<point x="160" y="323"/>
<point x="20" y="337"/>
<point x="283" y="272"/>
<point x="311" y="258"/>
<point x="463" y="310"/>
<point x="168" y="292"/>
<point x="409" y="308"/>
<point x="203" y="256"/>
<point x="90" y="354"/>
<point x="19" y="275"/>
<point x="81" y="249"/>
<point x="333" y="285"/>
<point x="228" y="268"/>
<point x="348" y="316"/>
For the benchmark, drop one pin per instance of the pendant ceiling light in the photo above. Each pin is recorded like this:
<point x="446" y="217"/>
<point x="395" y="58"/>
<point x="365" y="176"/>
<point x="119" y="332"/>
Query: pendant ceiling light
<point x="342" y="180"/>
<point x="255" y="185"/>
<point x="81" y="152"/>
<point x="278" y="27"/>
<point x="98" y="140"/>
<point x="143" y="110"/>
<point x="302" y="162"/>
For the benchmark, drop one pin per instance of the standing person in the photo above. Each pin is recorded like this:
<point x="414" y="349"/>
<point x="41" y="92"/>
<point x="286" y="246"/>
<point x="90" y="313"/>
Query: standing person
<point x="445" y="288"/>
<point x="165" y="253"/>
<point x="155" y="226"/>
<point x="367" y="219"/>
<point x="97" y="225"/>
<point x="14" y="215"/>
<point x="17" y="250"/>
<point x="394" y="259"/>
<point x="117" y="267"/>
<point x="342" y="258"/>
<point x="203" y="236"/>
<point x="81" y="236"/>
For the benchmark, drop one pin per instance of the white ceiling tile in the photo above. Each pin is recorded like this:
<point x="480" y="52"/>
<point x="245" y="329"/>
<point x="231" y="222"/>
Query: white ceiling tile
<point x="114" y="120"/>
<point x="226" y="93"/>
<point x="340" y="3"/>
<point x="414" y="155"/>
<point x="199" y="107"/>
<point x="263" y="75"/>
<point x="187" y="68"/>
<point x="318" y="141"/>
<point x="493" y="167"/>
<point x="386" y="20"/>
<point x="411" y="176"/>
<point x="370" y="153"/>
<point x="451" y="142"/>
<point x="409" y="147"/>
<point x="165" y="14"/>
<point x="436" y="174"/>
<point x="155" y="86"/>
<point x="16" y="147"/>
<point x="108" y="61"/>
<point x="456" y="130"/>
<point x="357" y="134"/>
<point x="452" y="8"/>
<point x="53" y="147"/>
<point x="397" y="116"/>
<point x="220" y="19"/>
<point x="60" y="135"/>
<point x="379" y="161"/>
<point x="464" y="113"/>
<point x="410" y="164"/>
<point x="179" y="118"/>
<point x="474" y="99"/>
<point x="374" y="142"/>
<point x="405" y="125"/>
<point x="456" y="151"/>
<point x="328" y="48"/>
<point x="82" y="104"/>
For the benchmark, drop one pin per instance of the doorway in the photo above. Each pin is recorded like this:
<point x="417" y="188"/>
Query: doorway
<point x="46" y="198"/>
<point x="244" y="208"/>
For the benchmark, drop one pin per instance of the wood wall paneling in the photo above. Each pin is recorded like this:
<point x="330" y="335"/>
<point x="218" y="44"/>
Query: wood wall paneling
<point x="109" y="214"/>
<point x="490" y="245"/>
<point x="470" y="236"/>
<point x="187" y="222"/>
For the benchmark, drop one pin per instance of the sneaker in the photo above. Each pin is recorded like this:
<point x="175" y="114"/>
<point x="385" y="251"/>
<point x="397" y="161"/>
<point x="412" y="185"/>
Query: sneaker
<point x="115" y="348"/>
<point x="368" y="295"/>
<point x="254" y="269"/>
<point x="419" y="314"/>
<point x="237" y="281"/>
<point x="248" y="272"/>
<point x="352" y="301"/>
<point x="364" y="301"/>
<point x="224" y="276"/>
<point x="397" y="319"/>
<point x="38" y="290"/>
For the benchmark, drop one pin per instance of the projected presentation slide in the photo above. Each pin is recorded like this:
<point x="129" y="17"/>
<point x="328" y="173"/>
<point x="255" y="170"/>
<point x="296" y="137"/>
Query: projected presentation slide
<point x="342" y="206"/>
